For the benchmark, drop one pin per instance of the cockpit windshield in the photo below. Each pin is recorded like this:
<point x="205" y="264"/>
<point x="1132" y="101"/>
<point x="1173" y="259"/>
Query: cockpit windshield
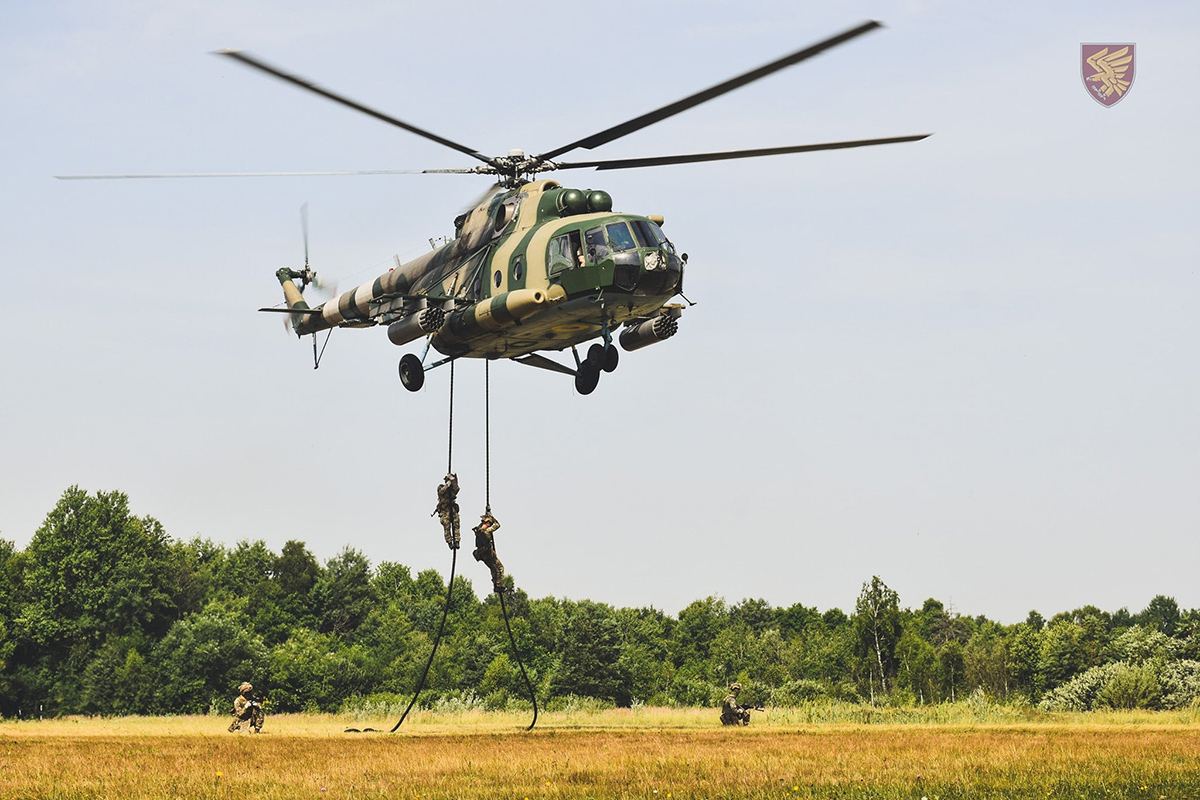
<point x="619" y="238"/>
<point x="650" y="235"/>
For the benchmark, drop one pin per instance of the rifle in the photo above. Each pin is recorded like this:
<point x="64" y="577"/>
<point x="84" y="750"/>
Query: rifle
<point x="257" y="715"/>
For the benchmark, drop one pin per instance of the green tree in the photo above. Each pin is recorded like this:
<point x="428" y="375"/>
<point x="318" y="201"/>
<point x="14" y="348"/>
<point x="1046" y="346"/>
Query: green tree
<point x="93" y="570"/>
<point x="1063" y="653"/>
<point x="591" y="663"/>
<point x="12" y="569"/>
<point x="1161" y="614"/>
<point x="951" y="669"/>
<point x="285" y="601"/>
<point x="697" y="630"/>
<point x="646" y="633"/>
<point x="877" y="626"/>
<point x="245" y="571"/>
<point x="296" y="570"/>
<point x="547" y="617"/>
<point x="756" y="615"/>
<point x="204" y="657"/>
<point x="795" y="620"/>
<point x="1131" y="687"/>
<point x="917" y="663"/>
<point x="768" y="654"/>
<point x="343" y="595"/>
<point x="314" y="672"/>
<point x="826" y="652"/>
<point x="985" y="660"/>
<point x="11" y="578"/>
<point x="119" y="680"/>
<point x="1024" y="660"/>
<point x="392" y="647"/>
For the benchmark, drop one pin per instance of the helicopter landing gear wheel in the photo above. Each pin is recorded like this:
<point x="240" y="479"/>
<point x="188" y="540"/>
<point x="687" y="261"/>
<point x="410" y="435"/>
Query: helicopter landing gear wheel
<point x="611" y="358"/>
<point x="587" y="377"/>
<point x="412" y="373"/>
<point x="602" y="357"/>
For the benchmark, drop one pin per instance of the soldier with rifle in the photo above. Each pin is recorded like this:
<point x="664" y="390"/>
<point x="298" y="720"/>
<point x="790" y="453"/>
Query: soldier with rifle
<point x="733" y="712"/>
<point x="247" y="708"/>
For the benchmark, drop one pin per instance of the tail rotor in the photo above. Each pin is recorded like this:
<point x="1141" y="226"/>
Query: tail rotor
<point x="308" y="276"/>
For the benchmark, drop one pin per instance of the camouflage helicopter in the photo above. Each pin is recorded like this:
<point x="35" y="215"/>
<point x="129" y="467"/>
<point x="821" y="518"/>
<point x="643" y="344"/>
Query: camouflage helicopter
<point x="535" y="265"/>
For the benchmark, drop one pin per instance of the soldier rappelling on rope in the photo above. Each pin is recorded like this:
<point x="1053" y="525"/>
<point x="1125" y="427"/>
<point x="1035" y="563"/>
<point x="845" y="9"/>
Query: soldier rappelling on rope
<point x="485" y="551"/>
<point x="447" y="509"/>
<point x="485" y="548"/>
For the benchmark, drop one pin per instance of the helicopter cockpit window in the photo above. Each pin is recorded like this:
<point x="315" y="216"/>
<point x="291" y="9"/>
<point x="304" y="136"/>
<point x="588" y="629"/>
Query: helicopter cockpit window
<point x="649" y="234"/>
<point x="597" y="248"/>
<point x="566" y="252"/>
<point x="619" y="238"/>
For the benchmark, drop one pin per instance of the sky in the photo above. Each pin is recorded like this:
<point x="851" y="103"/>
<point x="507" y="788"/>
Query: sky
<point x="967" y="365"/>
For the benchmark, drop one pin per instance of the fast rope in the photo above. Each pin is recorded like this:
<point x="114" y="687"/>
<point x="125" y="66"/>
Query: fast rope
<point x="487" y="459"/>
<point x="453" y="563"/>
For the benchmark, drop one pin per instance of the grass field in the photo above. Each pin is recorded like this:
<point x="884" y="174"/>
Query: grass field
<point x="831" y="751"/>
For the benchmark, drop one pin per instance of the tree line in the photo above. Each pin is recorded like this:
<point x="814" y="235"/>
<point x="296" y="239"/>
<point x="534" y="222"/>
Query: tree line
<point x="104" y="613"/>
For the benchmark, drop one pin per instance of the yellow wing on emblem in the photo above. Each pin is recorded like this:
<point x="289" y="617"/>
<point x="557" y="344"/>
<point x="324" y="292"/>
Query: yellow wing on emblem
<point x="1110" y="70"/>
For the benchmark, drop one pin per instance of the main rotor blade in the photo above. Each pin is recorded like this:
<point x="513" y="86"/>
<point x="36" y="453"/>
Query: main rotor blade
<point x="471" y="171"/>
<point x="312" y="87"/>
<point x="636" y="124"/>
<point x="658" y="161"/>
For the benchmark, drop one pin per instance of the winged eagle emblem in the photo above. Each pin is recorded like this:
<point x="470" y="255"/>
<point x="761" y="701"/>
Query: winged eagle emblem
<point x="1111" y="69"/>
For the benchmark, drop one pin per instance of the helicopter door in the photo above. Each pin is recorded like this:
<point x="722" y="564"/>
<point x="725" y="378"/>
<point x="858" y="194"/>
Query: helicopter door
<point x="566" y="252"/>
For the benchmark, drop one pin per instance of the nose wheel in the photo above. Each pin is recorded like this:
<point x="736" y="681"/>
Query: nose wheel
<point x="605" y="358"/>
<point x="600" y="358"/>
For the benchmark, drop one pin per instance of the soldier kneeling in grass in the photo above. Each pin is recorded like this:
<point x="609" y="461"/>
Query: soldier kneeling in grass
<point x="247" y="709"/>
<point x="732" y="713"/>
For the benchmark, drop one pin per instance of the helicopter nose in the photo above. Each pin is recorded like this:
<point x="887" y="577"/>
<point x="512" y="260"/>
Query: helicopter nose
<point x="654" y="272"/>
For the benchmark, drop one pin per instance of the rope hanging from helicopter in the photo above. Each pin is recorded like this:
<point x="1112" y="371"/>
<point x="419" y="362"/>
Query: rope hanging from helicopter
<point x="501" y="590"/>
<point x="485" y="547"/>
<point x="450" y="492"/>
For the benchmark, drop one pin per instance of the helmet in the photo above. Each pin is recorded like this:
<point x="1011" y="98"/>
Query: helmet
<point x="735" y="687"/>
<point x="245" y="688"/>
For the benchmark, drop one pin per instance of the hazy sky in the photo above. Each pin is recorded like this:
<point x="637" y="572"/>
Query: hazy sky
<point x="968" y="365"/>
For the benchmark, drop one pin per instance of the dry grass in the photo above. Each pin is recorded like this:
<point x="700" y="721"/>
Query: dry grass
<point x="650" y="753"/>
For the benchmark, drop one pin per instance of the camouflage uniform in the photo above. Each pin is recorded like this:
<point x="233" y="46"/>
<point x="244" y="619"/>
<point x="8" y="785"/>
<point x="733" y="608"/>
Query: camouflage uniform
<point x="732" y="712"/>
<point x="447" y="509"/>
<point x="485" y="549"/>
<point x="243" y="711"/>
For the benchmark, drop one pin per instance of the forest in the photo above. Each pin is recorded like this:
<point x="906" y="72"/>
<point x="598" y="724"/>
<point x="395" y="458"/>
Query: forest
<point x="104" y="613"/>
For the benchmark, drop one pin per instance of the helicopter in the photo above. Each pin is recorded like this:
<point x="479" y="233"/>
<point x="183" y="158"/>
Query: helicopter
<point x="534" y="265"/>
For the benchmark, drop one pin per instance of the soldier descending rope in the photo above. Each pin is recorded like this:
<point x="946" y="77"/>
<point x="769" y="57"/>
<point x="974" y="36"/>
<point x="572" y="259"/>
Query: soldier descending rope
<point x="485" y="548"/>
<point x="447" y="510"/>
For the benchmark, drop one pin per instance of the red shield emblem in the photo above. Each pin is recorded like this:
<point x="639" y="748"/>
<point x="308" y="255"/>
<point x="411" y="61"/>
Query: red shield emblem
<point x="1107" y="71"/>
